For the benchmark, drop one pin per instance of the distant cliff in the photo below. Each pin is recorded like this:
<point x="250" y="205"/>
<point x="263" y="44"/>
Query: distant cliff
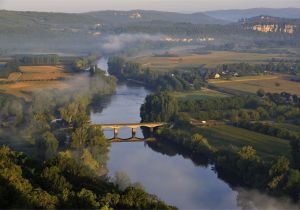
<point x="268" y="24"/>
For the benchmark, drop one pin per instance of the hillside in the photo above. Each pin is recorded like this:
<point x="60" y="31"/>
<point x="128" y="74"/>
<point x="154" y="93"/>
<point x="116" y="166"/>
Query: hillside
<point x="41" y="32"/>
<point x="235" y="15"/>
<point x="148" y="16"/>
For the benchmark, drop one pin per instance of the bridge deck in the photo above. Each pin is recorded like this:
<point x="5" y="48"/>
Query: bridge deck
<point x="130" y="125"/>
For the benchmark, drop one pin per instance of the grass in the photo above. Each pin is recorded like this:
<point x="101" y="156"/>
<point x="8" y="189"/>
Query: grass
<point x="291" y="127"/>
<point x="272" y="84"/>
<point x="164" y="64"/>
<point x="222" y="136"/>
<point x="198" y="94"/>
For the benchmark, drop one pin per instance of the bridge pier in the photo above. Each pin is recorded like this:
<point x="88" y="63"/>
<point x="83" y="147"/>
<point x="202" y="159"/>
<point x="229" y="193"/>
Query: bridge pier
<point x="133" y="131"/>
<point x="116" y="131"/>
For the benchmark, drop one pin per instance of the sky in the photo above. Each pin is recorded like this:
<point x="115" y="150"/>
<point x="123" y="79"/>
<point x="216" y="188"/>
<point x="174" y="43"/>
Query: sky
<point x="164" y="5"/>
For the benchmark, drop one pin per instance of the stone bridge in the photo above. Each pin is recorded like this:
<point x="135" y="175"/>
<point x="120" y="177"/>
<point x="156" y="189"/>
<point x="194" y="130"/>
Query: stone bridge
<point x="133" y="127"/>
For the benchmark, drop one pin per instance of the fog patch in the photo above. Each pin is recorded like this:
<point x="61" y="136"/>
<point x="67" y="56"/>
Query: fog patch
<point x="253" y="199"/>
<point x="115" y="43"/>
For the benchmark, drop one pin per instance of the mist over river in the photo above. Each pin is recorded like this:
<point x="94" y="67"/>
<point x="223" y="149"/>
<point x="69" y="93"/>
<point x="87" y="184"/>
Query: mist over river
<point x="167" y="174"/>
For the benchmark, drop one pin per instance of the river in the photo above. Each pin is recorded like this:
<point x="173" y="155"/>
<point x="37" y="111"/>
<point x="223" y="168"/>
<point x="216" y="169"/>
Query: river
<point x="173" y="178"/>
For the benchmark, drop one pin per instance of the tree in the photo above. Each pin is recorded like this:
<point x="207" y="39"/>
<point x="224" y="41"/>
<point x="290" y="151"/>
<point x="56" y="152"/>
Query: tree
<point x="182" y="119"/>
<point x="160" y="107"/>
<point x="54" y="181"/>
<point x="42" y="199"/>
<point x="79" y="138"/>
<point x="98" y="144"/>
<point x="86" y="199"/>
<point x="47" y="145"/>
<point x="122" y="180"/>
<point x="75" y="114"/>
<point x="247" y="153"/>
<point x="261" y="92"/>
<point x="295" y="145"/>
<point x="293" y="184"/>
<point x="278" y="170"/>
<point x="115" y="65"/>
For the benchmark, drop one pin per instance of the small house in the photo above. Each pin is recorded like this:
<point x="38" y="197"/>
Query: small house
<point x="217" y="76"/>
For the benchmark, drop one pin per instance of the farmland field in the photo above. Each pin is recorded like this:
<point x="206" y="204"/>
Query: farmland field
<point x="291" y="127"/>
<point x="272" y="84"/>
<point x="24" y="89"/>
<point x="212" y="59"/>
<point x="198" y="94"/>
<point x="39" y="73"/>
<point x="41" y="69"/>
<point x="33" y="78"/>
<point x="222" y="136"/>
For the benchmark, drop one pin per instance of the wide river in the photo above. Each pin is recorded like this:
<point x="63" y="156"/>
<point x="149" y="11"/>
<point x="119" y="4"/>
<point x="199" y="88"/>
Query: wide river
<point x="173" y="178"/>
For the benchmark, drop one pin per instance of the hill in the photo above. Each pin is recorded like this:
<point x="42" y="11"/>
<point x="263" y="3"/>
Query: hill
<point x="235" y="15"/>
<point x="148" y="16"/>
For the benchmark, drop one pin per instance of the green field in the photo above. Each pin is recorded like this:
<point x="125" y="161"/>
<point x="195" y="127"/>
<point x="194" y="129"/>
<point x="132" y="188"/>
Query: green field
<point x="222" y="136"/>
<point x="289" y="126"/>
<point x="198" y="94"/>
<point x="270" y="83"/>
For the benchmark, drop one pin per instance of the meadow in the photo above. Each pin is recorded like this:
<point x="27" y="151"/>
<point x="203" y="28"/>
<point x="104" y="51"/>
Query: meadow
<point x="212" y="59"/>
<point x="291" y="127"/>
<point x="223" y="136"/>
<point x="269" y="83"/>
<point x="204" y="93"/>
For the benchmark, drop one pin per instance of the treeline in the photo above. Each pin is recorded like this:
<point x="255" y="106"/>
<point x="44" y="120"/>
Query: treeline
<point x="244" y="69"/>
<point x="10" y="67"/>
<point x="244" y="108"/>
<point x="171" y="81"/>
<point x="36" y="60"/>
<point x="279" y="132"/>
<point x="84" y="63"/>
<point x="62" y="183"/>
<point x="279" y="107"/>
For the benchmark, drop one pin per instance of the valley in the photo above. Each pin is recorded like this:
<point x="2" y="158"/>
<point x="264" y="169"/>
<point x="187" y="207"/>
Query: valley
<point x="222" y="86"/>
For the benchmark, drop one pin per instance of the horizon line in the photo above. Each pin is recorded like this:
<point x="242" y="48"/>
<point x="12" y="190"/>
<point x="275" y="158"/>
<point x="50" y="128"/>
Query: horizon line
<point x="154" y="10"/>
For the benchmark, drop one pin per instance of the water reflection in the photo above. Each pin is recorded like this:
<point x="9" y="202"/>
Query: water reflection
<point x="174" y="179"/>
